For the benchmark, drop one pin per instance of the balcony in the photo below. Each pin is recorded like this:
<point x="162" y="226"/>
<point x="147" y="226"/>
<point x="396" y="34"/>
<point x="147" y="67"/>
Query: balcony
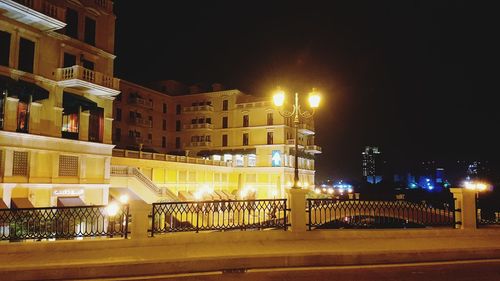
<point x="313" y="149"/>
<point x="291" y="142"/>
<point x="89" y="81"/>
<point x="141" y="102"/>
<point x="199" y="108"/>
<point x="39" y="14"/>
<point x="105" y="5"/>
<point x="306" y="129"/>
<point x="138" y="140"/>
<point x="140" y="122"/>
<point x="200" y="144"/>
<point x="202" y="126"/>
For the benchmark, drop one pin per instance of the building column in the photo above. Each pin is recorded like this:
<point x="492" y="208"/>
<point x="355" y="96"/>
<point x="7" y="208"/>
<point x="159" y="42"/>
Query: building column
<point x="297" y="204"/>
<point x="107" y="168"/>
<point x="8" y="166"/>
<point x="82" y="175"/>
<point x="465" y="202"/>
<point x="139" y="225"/>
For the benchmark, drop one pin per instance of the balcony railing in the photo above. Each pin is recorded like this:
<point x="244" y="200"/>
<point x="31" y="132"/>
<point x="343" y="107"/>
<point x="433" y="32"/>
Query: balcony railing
<point x="198" y="126"/>
<point x="40" y="14"/>
<point x="141" y="122"/>
<point x="306" y="129"/>
<point x="200" y="144"/>
<point x="313" y="149"/>
<point x="199" y="108"/>
<point x="141" y="102"/>
<point x="167" y="157"/>
<point x="105" y="5"/>
<point x="96" y="82"/>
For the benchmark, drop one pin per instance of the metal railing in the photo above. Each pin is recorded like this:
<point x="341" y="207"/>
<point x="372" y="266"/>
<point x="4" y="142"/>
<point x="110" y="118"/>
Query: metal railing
<point x="218" y="215"/>
<point x="331" y="213"/>
<point x="62" y="223"/>
<point x="487" y="213"/>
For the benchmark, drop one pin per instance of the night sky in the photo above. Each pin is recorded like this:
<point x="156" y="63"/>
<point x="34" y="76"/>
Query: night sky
<point x="415" y="78"/>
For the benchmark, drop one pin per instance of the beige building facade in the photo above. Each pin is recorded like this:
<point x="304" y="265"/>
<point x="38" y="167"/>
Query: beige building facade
<point x="56" y="101"/>
<point x="245" y="133"/>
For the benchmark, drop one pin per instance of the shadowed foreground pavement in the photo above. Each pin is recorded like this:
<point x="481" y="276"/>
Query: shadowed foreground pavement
<point x="263" y="255"/>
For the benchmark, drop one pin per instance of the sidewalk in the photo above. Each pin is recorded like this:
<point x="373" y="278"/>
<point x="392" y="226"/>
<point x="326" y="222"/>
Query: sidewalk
<point x="203" y="252"/>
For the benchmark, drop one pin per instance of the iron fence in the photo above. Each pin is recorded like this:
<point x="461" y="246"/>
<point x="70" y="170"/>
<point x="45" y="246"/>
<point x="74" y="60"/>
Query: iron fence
<point x="218" y="215"/>
<point x="62" y="223"/>
<point x="487" y="213"/>
<point x="331" y="213"/>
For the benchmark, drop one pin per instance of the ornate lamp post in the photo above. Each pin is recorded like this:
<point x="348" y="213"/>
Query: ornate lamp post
<point x="298" y="114"/>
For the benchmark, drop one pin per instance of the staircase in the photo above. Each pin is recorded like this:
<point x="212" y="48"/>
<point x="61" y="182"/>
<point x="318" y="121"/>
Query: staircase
<point x="132" y="179"/>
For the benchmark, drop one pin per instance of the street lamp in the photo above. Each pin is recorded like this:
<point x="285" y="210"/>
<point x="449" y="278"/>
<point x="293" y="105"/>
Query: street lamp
<point x="298" y="114"/>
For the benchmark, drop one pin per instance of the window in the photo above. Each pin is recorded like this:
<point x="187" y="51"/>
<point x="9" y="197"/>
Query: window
<point x="89" y="36"/>
<point x="118" y="116"/>
<point x="193" y="121"/>
<point x="178" y="125"/>
<point x="164" y="125"/>
<point x="4" y="48"/>
<point x="150" y="137"/>
<point x="131" y="133"/>
<point x="177" y="142"/>
<point x="20" y="163"/>
<point x="224" y="122"/>
<point x="252" y="160"/>
<point x="178" y="109"/>
<point x="225" y="105"/>
<point x="22" y="116"/>
<point x="131" y="115"/>
<point x="71" y="23"/>
<point x="208" y="120"/>
<point x="201" y="120"/>
<point x="70" y="123"/>
<point x="269" y="119"/>
<point x="238" y="159"/>
<point x="119" y="97"/>
<point x="69" y="60"/>
<point x="150" y="118"/>
<point x="224" y="140"/>
<point x="26" y="55"/>
<point x="246" y="121"/>
<point x="3" y="96"/>
<point x="68" y="166"/>
<point x="88" y="64"/>
<point x="118" y="135"/>
<point x="245" y="138"/>
<point x="164" y="108"/>
<point x="208" y="138"/>
<point x="96" y="124"/>
<point x="163" y="142"/>
<point x="269" y="137"/>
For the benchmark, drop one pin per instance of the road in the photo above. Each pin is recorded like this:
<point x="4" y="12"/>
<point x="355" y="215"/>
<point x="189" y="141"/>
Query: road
<point x="481" y="270"/>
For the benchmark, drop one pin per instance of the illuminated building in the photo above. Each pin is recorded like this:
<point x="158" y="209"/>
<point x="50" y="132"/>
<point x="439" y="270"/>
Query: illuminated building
<point x="371" y="164"/>
<point x="57" y="87"/>
<point x="249" y="140"/>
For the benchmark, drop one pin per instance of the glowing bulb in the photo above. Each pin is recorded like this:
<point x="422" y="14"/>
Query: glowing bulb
<point x="314" y="99"/>
<point x="279" y="98"/>
<point x="112" y="209"/>
<point x="123" y="198"/>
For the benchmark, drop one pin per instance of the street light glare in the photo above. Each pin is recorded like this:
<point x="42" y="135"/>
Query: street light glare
<point x="314" y="100"/>
<point x="279" y="98"/>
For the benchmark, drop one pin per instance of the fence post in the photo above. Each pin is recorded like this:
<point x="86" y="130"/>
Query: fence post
<point x="297" y="198"/>
<point x="139" y="224"/>
<point x="465" y="204"/>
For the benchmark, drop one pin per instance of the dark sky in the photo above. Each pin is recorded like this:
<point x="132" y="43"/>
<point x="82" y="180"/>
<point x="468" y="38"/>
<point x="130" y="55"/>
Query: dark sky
<point x="415" y="78"/>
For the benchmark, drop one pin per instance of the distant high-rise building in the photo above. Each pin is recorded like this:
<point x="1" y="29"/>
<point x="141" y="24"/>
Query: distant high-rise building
<point x="371" y="164"/>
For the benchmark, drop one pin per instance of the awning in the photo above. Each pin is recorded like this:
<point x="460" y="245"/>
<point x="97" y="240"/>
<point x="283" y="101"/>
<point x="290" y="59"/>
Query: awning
<point x="2" y="204"/>
<point x="69" y="201"/>
<point x="7" y="83"/>
<point x="23" y="89"/>
<point x="72" y="100"/>
<point x="20" y="203"/>
<point x="33" y="90"/>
